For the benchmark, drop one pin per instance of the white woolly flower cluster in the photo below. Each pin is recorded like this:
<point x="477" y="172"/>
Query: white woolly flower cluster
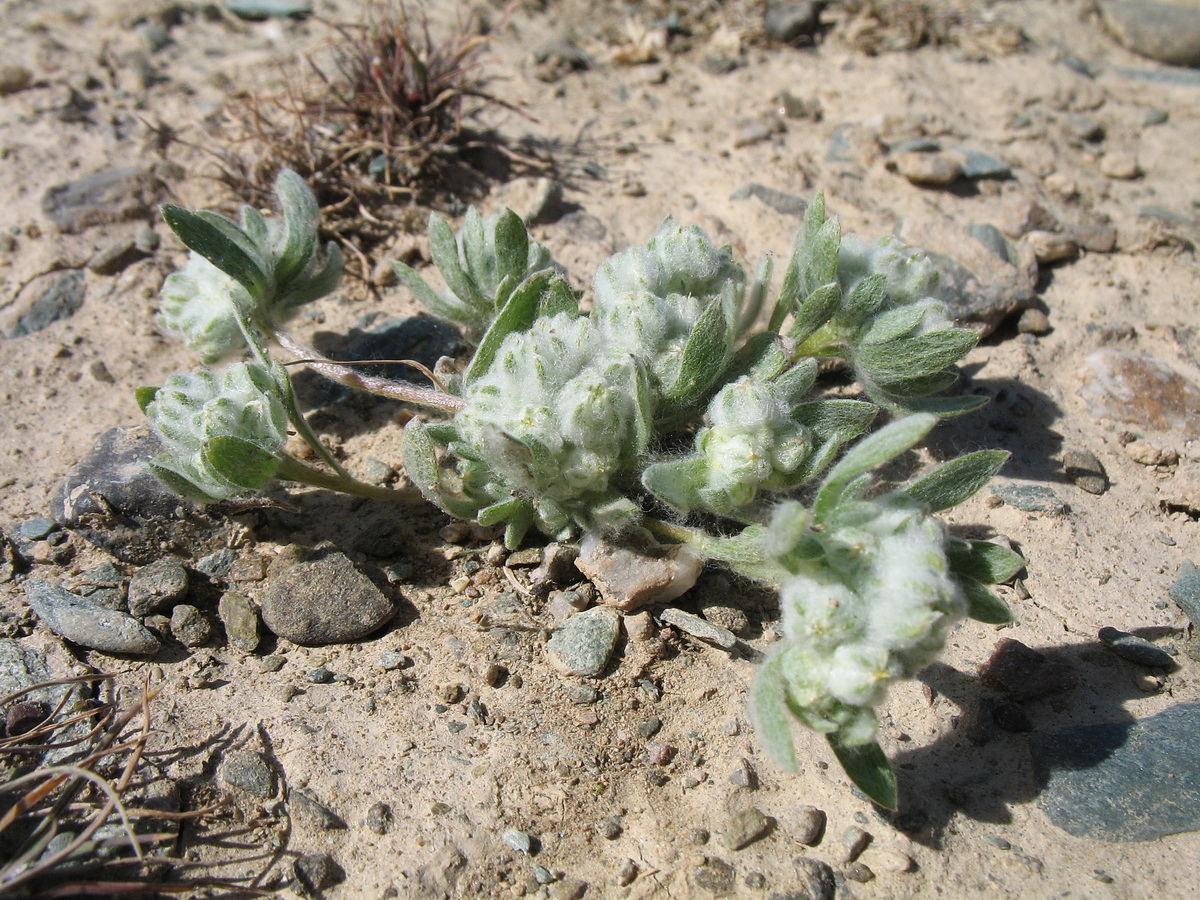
<point x="196" y="304"/>
<point x="869" y="600"/>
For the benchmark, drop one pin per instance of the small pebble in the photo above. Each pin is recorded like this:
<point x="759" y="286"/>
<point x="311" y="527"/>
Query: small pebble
<point x="1136" y="649"/>
<point x="626" y="873"/>
<point x="805" y="824"/>
<point x="744" y="776"/>
<point x="854" y="842"/>
<point x="391" y="660"/>
<point x="190" y="626"/>
<point x="924" y="168"/>
<point x="379" y="818"/>
<point x="1123" y="166"/>
<point x="13" y="79"/>
<point x="859" y="872"/>
<point x="1151" y="453"/>
<point x="650" y="727"/>
<point x="997" y="841"/>
<point x="542" y="875"/>
<point x="891" y="860"/>
<point x="1088" y="473"/>
<point x="319" y="675"/>
<point x="518" y="841"/>
<point x="638" y="627"/>
<point x="611" y="828"/>
<point x="744" y="828"/>
<point x="1033" y="321"/>
<point x="1147" y="683"/>
<point x="1049" y="246"/>
<point x="316" y="872"/>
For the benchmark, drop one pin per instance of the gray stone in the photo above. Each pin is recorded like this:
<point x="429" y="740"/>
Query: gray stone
<point x="190" y="626"/>
<point x="1168" y="32"/>
<point x="977" y="164"/>
<point x="558" y="564"/>
<point x="85" y="622"/>
<point x="317" y="871"/>
<point x="744" y="828"/>
<point x="115" y="258"/>
<point x="929" y="168"/>
<point x="1136" y="649"/>
<point x="805" y="824"/>
<point x="102" y="198"/>
<point x="979" y="287"/>
<point x="1135" y="781"/>
<point x="1186" y="592"/>
<point x="715" y="876"/>
<point x="379" y="818"/>
<point x="13" y="79"/>
<point x="519" y="841"/>
<point x="1141" y="390"/>
<point x="326" y="601"/>
<point x="788" y="204"/>
<point x="255" y="10"/>
<point x="699" y="628"/>
<point x="249" y="771"/>
<point x="815" y="878"/>
<point x="36" y="529"/>
<point x="1033" y="321"/>
<point x="111" y="499"/>
<point x="240" y="619"/>
<point x="992" y="238"/>
<point x="535" y="200"/>
<point x="61" y="301"/>
<point x="585" y="642"/>
<point x="217" y="565"/>
<point x="1030" y="497"/>
<point x="790" y="21"/>
<point x="157" y="586"/>
<point x="310" y="811"/>
<point x="1083" y="468"/>
<point x="638" y="572"/>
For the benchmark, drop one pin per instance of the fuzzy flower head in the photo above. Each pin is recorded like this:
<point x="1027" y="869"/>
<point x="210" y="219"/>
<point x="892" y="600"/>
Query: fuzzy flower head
<point x="869" y="599"/>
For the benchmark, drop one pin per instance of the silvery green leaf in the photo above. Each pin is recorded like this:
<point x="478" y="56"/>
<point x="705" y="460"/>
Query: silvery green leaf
<point x="298" y="242"/>
<point x="762" y="358"/>
<point x="756" y="295"/>
<point x="893" y="323"/>
<point x="769" y="712"/>
<point x="512" y="246"/>
<point x="983" y="561"/>
<point x="144" y="396"/>
<point x="518" y="526"/>
<point x="316" y="284"/>
<point x="255" y="226"/>
<point x="820" y="264"/>
<point x="982" y="603"/>
<point x="885" y="444"/>
<point x="868" y="767"/>
<point x="499" y="512"/>
<point x="421" y="466"/>
<point x="957" y="480"/>
<point x="915" y="356"/>
<point x="518" y="314"/>
<point x="643" y="408"/>
<point x="448" y="307"/>
<point x="794" y="384"/>
<point x="816" y="309"/>
<point x="443" y="248"/>
<point x="162" y="468"/>
<point x="240" y="462"/>
<point x="473" y="250"/>
<point x="677" y="482"/>
<point x="789" y="291"/>
<point x="704" y="358"/>
<point x="199" y="232"/>
<point x="942" y="407"/>
<point x="919" y="386"/>
<point x="865" y="299"/>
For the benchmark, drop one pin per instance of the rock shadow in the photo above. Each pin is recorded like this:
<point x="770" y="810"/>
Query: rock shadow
<point x="1000" y="751"/>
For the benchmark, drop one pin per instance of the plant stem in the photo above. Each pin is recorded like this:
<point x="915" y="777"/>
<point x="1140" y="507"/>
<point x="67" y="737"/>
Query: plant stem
<point x="292" y="469"/>
<point x="384" y="387"/>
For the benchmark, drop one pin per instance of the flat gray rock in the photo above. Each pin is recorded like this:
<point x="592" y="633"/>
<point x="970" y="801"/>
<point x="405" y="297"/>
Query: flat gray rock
<point x="638" y="572"/>
<point x="1186" y="591"/>
<point x="104" y="197"/>
<point x="111" y="499"/>
<point x="1168" y="32"/>
<point x="1124" y="781"/>
<point x="85" y="622"/>
<point x="326" y="601"/>
<point x="585" y="642"/>
<point x="60" y="301"/>
<point x="1030" y="497"/>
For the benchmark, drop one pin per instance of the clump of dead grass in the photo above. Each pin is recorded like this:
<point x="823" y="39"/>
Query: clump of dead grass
<point x="882" y="26"/>
<point x="79" y="816"/>
<point x="388" y="119"/>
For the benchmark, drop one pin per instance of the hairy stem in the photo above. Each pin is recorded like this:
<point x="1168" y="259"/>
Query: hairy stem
<point x="384" y="387"/>
<point x="292" y="469"/>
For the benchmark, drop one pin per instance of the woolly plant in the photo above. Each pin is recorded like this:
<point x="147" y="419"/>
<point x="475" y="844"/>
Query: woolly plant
<point x="684" y="402"/>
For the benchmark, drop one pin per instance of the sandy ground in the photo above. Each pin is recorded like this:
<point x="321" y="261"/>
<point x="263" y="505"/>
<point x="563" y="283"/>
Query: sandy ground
<point x="634" y="143"/>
